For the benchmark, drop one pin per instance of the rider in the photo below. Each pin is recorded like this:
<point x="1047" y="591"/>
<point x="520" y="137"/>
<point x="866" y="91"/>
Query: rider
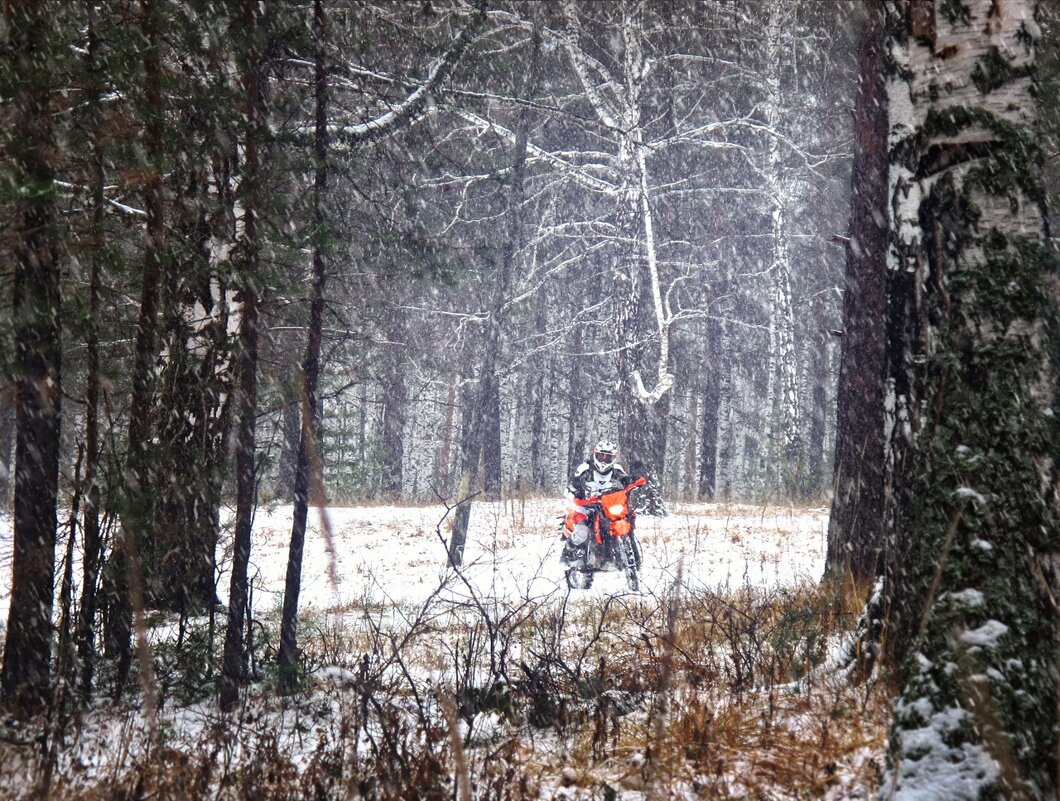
<point x="593" y="477"/>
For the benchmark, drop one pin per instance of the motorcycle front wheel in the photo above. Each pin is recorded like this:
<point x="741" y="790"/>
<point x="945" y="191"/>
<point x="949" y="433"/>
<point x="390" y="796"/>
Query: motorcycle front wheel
<point x="629" y="562"/>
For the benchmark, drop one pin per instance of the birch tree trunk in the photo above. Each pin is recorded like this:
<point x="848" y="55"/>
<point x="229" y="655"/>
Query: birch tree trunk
<point x="972" y="510"/>
<point x="783" y="401"/>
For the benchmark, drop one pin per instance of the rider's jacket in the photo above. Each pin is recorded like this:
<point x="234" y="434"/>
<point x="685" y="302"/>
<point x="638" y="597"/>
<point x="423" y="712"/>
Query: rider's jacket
<point x="589" y="482"/>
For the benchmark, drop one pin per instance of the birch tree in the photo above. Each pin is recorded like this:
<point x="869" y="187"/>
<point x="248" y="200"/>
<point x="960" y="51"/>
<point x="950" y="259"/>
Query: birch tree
<point x="972" y="523"/>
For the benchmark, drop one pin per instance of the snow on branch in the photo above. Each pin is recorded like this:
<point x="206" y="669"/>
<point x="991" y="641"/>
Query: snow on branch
<point x="609" y="113"/>
<point x="576" y="172"/>
<point x="413" y="106"/>
<point x="122" y="207"/>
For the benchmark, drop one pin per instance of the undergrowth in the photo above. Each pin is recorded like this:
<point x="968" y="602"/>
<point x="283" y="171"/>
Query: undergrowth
<point x="693" y="695"/>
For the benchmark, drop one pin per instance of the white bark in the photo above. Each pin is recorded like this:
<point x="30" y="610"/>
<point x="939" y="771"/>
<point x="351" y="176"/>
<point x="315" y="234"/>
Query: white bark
<point x="961" y="96"/>
<point x="782" y="319"/>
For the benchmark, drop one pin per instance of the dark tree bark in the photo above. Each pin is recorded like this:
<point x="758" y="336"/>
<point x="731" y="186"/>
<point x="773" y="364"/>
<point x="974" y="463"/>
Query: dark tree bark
<point x="7" y="442"/>
<point x="855" y="524"/>
<point x="136" y="524"/>
<point x="540" y="384"/>
<point x="446" y="448"/>
<point x="482" y="414"/>
<point x="470" y="451"/>
<point x="577" y="440"/>
<point x="708" y="457"/>
<point x="395" y="402"/>
<point x="233" y="668"/>
<point x="288" y="460"/>
<point x="308" y="452"/>
<point x="30" y="149"/>
<point x="643" y="425"/>
<point x="690" y="489"/>
<point x="91" y="524"/>
<point x="193" y="388"/>
<point x="537" y="430"/>
<point x="820" y="378"/>
<point x="492" y="468"/>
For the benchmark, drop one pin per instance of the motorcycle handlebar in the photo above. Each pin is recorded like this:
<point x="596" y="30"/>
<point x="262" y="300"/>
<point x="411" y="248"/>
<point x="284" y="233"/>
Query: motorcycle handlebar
<point x="636" y="484"/>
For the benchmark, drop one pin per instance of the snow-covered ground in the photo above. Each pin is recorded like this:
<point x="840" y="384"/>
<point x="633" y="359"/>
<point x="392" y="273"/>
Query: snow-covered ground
<point x="392" y="561"/>
<point x="397" y="554"/>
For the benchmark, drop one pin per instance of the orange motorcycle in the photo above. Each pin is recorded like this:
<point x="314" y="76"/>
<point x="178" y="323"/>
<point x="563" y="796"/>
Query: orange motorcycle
<point x="612" y="541"/>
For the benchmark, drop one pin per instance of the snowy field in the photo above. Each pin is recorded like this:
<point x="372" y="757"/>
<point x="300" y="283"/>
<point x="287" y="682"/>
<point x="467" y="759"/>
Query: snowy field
<point x="396" y="555"/>
<point x="388" y="565"/>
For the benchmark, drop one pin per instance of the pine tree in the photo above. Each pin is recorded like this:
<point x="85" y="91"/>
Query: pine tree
<point x="30" y="151"/>
<point x="855" y="523"/>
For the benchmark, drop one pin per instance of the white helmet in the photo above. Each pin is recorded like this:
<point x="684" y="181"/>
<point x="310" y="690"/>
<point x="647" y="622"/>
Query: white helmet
<point x="605" y="454"/>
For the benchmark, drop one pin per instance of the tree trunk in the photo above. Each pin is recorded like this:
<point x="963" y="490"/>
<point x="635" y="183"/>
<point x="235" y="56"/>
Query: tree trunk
<point x="7" y="442"/>
<point x="537" y="430"/>
<point x="577" y="443"/>
<point x="288" y="461"/>
<point x="486" y="407"/>
<point x="784" y="402"/>
<point x="492" y="468"/>
<point x="820" y="377"/>
<point x="136" y="520"/>
<point x="972" y="519"/>
<point x="92" y="535"/>
<point x="308" y="450"/>
<point x="689" y="467"/>
<point x="234" y="662"/>
<point x="445" y="450"/>
<point x="395" y="402"/>
<point x="708" y="464"/>
<point x="855" y="526"/>
<point x="470" y="451"/>
<point x="36" y="313"/>
<point x="194" y="384"/>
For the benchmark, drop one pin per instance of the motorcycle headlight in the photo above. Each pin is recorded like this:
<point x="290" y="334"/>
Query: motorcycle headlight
<point x="617" y="510"/>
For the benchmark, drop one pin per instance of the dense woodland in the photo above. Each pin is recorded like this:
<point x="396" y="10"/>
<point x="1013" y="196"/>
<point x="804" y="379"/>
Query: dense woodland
<point x="405" y="252"/>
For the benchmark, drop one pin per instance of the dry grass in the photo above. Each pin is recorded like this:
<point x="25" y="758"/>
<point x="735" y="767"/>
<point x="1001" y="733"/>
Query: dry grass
<point x="552" y="699"/>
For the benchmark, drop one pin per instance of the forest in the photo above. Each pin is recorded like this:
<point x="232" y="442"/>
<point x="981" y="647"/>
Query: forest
<point x="310" y="311"/>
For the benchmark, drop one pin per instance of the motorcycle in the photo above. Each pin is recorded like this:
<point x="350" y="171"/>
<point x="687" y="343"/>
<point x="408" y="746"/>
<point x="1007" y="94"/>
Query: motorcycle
<point x="612" y="541"/>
